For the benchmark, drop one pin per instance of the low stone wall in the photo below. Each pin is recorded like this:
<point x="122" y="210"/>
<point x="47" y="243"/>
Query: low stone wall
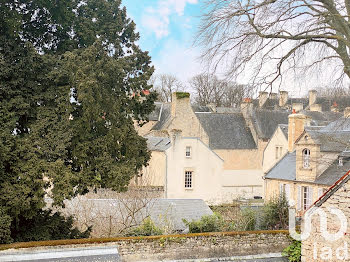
<point x="187" y="246"/>
<point x="205" y="245"/>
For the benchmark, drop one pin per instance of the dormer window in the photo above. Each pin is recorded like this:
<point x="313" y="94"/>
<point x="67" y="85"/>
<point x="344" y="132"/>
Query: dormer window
<point x="306" y="158"/>
<point x="340" y="161"/>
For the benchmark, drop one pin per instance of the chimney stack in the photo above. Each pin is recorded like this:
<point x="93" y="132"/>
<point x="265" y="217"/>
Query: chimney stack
<point x="263" y="96"/>
<point x="296" y="126"/>
<point x="180" y="103"/>
<point x="283" y="98"/>
<point x="273" y="95"/>
<point x="316" y="108"/>
<point x="347" y="112"/>
<point x="297" y="107"/>
<point x="312" y="97"/>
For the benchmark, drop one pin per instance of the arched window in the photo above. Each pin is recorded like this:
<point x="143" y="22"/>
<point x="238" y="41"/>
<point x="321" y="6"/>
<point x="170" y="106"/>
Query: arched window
<point x="306" y="158"/>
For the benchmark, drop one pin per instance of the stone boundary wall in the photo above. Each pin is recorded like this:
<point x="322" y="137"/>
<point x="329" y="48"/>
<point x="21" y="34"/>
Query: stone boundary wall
<point x="186" y="246"/>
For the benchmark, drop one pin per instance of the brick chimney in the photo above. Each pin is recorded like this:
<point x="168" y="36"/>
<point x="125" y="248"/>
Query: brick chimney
<point x="312" y="97"/>
<point x="297" y="107"/>
<point x="263" y="96"/>
<point x="180" y="103"/>
<point x="273" y="95"/>
<point x="296" y="126"/>
<point x="316" y="108"/>
<point x="347" y="112"/>
<point x="283" y="98"/>
<point x="247" y="112"/>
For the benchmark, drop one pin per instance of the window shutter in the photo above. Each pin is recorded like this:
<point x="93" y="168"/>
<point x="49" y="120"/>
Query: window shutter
<point x="299" y="198"/>
<point x="310" y="197"/>
<point x="281" y="189"/>
<point x="320" y="192"/>
<point x="288" y="191"/>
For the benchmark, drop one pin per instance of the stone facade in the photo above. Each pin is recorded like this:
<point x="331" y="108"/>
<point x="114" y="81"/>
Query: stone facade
<point x="315" y="247"/>
<point x="205" y="245"/>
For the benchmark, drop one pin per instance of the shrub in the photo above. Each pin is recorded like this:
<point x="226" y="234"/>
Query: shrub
<point x="249" y="220"/>
<point x="210" y="223"/>
<point x="147" y="228"/>
<point x="293" y="251"/>
<point x="275" y="214"/>
<point x="180" y="95"/>
<point x="5" y="227"/>
<point x="46" y="226"/>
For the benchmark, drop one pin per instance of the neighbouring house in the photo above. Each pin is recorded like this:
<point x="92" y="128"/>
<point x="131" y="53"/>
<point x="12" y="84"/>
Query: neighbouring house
<point x="315" y="160"/>
<point x="219" y="154"/>
<point x="317" y="247"/>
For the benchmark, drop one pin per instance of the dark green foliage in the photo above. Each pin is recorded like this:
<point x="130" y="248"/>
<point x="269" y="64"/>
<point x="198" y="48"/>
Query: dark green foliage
<point x="180" y="95"/>
<point x="66" y="105"/>
<point x="212" y="223"/>
<point x="5" y="224"/>
<point x="47" y="225"/>
<point x="147" y="228"/>
<point x="293" y="251"/>
<point x="275" y="214"/>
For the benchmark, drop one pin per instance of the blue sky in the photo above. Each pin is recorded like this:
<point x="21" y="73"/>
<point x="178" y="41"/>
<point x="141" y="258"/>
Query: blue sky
<point x="167" y="29"/>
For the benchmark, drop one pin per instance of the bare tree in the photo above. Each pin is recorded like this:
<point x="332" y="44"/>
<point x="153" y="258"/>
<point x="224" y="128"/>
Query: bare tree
<point x="272" y="37"/>
<point x="209" y="89"/>
<point x="165" y="85"/>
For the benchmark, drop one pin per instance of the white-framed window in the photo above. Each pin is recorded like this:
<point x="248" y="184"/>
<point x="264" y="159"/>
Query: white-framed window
<point x="305" y="197"/>
<point x="188" y="179"/>
<point x="306" y="158"/>
<point x="340" y="161"/>
<point x="188" y="151"/>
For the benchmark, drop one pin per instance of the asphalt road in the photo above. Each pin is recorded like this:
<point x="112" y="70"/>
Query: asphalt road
<point x="92" y="254"/>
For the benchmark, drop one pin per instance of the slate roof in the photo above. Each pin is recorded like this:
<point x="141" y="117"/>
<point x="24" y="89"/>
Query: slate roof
<point x="321" y="118"/>
<point x="342" y="124"/>
<point x="155" y="114"/>
<point x="334" y="172"/>
<point x="223" y="110"/>
<point x="163" y="212"/>
<point x="175" y="210"/>
<point x="164" y="116"/>
<point x="158" y="143"/>
<point x="266" y="121"/>
<point x="331" y="141"/>
<point x="200" y="109"/>
<point x="285" y="169"/>
<point x="284" y="129"/>
<point x="226" y="131"/>
<point x="341" y="101"/>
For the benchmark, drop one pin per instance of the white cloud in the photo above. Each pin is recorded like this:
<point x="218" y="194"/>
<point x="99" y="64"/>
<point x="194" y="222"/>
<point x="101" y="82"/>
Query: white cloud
<point x="177" y="59"/>
<point x="157" y="19"/>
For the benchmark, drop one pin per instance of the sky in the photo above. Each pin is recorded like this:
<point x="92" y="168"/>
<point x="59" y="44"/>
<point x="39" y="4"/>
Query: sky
<point x="167" y="30"/>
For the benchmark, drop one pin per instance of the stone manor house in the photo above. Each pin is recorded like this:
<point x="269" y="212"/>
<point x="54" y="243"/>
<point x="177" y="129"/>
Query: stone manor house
<point x="219" y="154"/>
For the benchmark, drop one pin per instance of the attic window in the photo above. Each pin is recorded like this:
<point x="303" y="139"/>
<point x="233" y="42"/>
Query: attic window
<point x="306" y="158"/>
<point x="340" y="161"/>
<point x="306" y="138"/>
